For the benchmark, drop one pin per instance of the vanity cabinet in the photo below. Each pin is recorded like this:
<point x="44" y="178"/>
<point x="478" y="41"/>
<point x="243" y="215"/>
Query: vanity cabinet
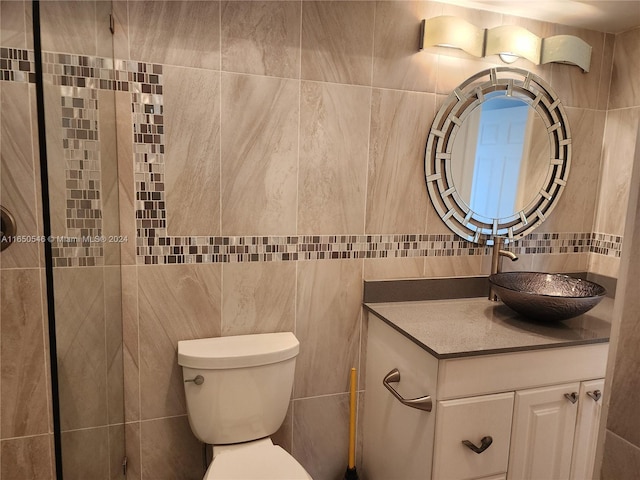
<point x="523" y="400"/>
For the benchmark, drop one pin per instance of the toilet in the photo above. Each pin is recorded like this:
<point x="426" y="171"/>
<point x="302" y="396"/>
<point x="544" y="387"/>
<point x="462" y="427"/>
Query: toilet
<point x="238" y="390"/>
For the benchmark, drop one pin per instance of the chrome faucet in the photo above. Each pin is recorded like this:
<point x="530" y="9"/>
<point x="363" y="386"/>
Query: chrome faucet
<point x="496" y="261"/>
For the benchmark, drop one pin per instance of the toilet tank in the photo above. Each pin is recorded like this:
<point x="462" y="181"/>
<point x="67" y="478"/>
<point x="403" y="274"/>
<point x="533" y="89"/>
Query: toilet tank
<point x="247" y="385"/>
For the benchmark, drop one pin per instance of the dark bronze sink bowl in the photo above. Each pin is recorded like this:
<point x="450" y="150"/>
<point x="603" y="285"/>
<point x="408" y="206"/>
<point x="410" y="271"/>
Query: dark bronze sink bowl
<point x="545" y="296"/>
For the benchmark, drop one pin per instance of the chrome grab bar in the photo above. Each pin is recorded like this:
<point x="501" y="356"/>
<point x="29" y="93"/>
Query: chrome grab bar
<point x="421" y="403"/>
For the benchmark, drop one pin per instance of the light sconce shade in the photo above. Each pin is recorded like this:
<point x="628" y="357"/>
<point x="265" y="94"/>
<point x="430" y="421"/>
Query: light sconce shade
<point x="452" y="32"/>
<point x="567" y="49"/>
<point x="510" y="42"/>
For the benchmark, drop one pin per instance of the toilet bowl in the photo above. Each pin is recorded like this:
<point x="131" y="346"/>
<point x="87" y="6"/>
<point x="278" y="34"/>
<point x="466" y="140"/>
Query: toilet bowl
<point x="260" y="459"/>
<point x="238" y="390"/>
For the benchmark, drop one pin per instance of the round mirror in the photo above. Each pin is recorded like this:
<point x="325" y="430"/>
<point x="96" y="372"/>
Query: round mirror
<point x="498" y="155"/>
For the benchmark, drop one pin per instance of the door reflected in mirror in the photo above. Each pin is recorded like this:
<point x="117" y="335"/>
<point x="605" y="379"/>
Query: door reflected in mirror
<point x="500" y="156"/>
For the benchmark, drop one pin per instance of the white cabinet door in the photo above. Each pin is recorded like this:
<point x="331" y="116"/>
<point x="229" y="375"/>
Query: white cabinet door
<point x="482" y="423"/>
<point x="544" y="423"/>
<point x="397" y="440"/>
<point x="586" y="438"/>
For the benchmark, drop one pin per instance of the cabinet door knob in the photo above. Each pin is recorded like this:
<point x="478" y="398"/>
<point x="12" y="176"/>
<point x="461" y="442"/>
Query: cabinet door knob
<point x="572" y="397"/>
<point x="596" y="395"/>
<point x="421" y="403"/>
<point x="484" y="444"/>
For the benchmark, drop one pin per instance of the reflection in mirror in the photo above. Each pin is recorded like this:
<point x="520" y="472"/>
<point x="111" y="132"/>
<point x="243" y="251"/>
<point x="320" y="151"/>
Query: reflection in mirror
<point x="500" y="156"/>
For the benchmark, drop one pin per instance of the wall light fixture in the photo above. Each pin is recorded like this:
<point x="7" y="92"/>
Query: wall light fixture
<point x="453" y="32"/>
<point x="510" y="42"/>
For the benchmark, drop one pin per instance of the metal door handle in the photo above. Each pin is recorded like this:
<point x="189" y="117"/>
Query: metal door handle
<point x="596" y="395"/>
<point x="421" y="403"/>
<point x="484" y="444"/>
<point x="572" y="397"/>
<point x="198" y="380"/>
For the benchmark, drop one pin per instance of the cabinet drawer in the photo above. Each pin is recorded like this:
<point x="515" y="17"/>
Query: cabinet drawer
<point x="472" y="419"/>
<point x="467" y="376"/>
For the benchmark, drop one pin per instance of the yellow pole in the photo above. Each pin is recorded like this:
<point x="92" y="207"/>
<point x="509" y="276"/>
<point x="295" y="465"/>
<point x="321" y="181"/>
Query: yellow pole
<point x="352" y="420"/>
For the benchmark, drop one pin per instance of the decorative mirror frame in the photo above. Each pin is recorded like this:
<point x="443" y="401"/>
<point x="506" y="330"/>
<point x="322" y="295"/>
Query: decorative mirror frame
<point x="454" y="211"/>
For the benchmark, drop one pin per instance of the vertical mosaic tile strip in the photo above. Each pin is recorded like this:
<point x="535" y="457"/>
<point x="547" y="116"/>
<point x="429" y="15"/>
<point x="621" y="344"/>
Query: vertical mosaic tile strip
<point x="148" y="146"/>
<point x="82" y="245"/>
<point x="147" y="110"/>
<point x="17" y="65"/>
<point x="79" y="78"/>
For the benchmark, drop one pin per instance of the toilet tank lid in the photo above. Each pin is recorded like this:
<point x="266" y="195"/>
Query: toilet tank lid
<point x="237" y="351"/>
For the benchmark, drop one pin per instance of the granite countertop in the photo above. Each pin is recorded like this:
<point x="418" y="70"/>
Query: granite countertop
<point x="476" y="326"/>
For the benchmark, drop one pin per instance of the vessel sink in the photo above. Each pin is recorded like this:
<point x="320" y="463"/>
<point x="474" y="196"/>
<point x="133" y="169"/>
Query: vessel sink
<point x="545" y="296"/>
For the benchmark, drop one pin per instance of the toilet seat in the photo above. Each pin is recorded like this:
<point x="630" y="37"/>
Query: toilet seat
<point x="257" y="462"/>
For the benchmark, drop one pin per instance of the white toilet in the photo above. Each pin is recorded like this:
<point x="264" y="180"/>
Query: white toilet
<point x="238" y="390"/>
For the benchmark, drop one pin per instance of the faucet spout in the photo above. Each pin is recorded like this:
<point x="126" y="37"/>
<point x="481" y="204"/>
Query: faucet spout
<point x="510" y="255"/>
<point x="496" y="261"/>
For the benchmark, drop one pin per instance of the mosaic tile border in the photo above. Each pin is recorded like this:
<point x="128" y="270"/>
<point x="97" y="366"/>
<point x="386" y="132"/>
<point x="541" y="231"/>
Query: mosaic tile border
<point x="80" y="76"/>
<point x="606" y="244"/>
<point x="168" y="250"/>
<point x="288" y="248"/>
<point x="552" y="243"/>
<point x="17" y="65"/>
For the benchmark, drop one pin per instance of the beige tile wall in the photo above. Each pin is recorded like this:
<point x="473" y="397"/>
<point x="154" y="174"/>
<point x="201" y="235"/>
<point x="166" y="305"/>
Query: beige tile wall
<point x="259" y="114"/>
<point x="622" y="159"/>
<point x="323" y="112"/>
<point x="261" y="38"/>
<point x="400" y="122"/>
<point x="191" y="96"/>
<point x="26" y="437"/>
<point x="18" y="172"/>
<point x="623" y="117"/>
<point x="174" y="302"/>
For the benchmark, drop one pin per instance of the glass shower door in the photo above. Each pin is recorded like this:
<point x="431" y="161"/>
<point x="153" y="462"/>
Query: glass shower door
<point x="79" y="114"/>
